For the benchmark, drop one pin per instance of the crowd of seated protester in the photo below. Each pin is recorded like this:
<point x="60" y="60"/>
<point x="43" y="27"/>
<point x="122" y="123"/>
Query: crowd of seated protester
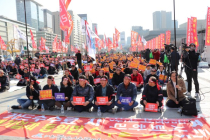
<point x="117" y="79"/>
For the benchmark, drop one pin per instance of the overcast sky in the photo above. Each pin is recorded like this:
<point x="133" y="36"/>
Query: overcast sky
<point x="123" y="14"/>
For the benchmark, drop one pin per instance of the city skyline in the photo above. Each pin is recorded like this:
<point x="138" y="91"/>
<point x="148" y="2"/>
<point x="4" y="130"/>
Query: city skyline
<point x="113" y="18"/>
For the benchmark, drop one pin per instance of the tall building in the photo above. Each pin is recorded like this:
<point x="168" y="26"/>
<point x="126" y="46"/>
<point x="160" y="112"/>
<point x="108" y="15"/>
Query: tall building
<point x="128" y="41"/>
<point x="122" y="39"/>
<point x="140" y="31"/>
<point x="47" y="19"/>
<point x="34" y="13"/>
<point x="162" y="20"/>
<point x="94" y="26"/>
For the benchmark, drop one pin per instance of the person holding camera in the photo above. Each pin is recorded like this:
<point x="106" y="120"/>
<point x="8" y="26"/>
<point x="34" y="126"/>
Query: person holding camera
<point x="190" y="60"/>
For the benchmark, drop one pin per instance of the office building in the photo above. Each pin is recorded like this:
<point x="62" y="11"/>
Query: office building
<point x="163" y="20"/>
<point x="7" y="32"/>
<point x="129" y="41"/>
<point x="49" y="36"/>
<point x="34" y="13"/>
<point x="47" y="19"/>
<point x="94" y="27"/>
<point x="122" y="39"/>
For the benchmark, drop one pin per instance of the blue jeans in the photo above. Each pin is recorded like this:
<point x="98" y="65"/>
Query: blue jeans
<point x="43" y="76"/>
<point x="126" y="107"/>
<point x="24" y="103"/>
<point x="35" y="74"/>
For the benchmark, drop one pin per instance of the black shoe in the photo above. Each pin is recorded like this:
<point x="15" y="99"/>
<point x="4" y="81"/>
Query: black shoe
<point x="51" y="108"/>
<point x="15" y="107"/>
<point x="39" y="107"/>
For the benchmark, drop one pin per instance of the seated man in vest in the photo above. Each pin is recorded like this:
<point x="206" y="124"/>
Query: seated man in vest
<point x="152" y="93"/>
<point x="49" y="104"/>
<point x="102" y="90"/>
<point x="4" y="83"/>
<point x="126" y="89"/>
<point x="137" y="77"/>
<point x="83" y="90"/>
<point x="176" y="100"/>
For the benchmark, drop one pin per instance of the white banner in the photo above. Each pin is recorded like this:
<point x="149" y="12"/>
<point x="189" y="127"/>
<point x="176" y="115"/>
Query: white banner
<point x="83" y="26"/>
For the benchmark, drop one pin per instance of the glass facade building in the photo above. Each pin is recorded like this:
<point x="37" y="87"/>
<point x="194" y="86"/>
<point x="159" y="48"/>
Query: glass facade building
<point x="34" y="13"/>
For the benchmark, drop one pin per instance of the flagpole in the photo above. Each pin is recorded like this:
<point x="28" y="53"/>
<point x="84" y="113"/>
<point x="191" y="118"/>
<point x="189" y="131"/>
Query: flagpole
<point x="27" y="37"/>
<point x="86" y="41"/>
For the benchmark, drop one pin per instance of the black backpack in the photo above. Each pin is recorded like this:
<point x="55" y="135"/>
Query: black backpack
<point x="189" y="108"/>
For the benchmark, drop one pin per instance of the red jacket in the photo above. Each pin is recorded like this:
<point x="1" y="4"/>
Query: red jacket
<point x="137" y="78"/>
<point x="156" y="55"/>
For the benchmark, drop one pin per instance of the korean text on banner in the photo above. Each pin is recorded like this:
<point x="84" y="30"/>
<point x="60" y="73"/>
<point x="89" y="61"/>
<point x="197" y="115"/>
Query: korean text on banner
<point x="96" y="80"/>
<point x="207" y="42"/>
<point x="152" y="62"/>
<point x="45" y="94"/>
<point x="60" y="96"/>
<point x="102" y="100"/>
<point x="151" y="107"/>
<point x="125" y="100"/>
<point x="78" y="100"/>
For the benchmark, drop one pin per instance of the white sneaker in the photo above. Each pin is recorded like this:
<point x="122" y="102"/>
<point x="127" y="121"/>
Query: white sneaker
<point x="196" y="95"/>
<point x="90" y="110"/>
<point x="188" y="94"/>
<point x="179" y="110"/>
<point x="134" y="109"/>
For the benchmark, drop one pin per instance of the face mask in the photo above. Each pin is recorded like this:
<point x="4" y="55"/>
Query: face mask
<point x="192" y="48"/>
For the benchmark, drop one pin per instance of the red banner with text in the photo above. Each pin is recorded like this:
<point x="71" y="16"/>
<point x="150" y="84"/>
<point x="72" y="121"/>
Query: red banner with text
<point x="207" y="42"/>
<point x="56" y="127"/>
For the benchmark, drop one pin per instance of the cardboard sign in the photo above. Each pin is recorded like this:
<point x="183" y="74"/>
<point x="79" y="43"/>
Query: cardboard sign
<point x="111" y="75"/>
<point x="18" y="76"/>
<point x="159" y="63"/>
<point x="45" y="94"/>
<point x="106" y="69"/>
<point x="161" y="77"/>
<point x="33" y="65"/>
<point x="96" y="80"/>
<point x="78" y="100"/>
<point x="151" y="107"/>
<point x="102" y="100"/>
<point x="125" y="100"/>
<point x="133" y="64"/>
<point x="142" y="67"/>
<point x="87" y="68"/>
<point x="152" y="62"/>
<point x="134" y="82"/>
<point x="21" y="67"/>
<point x="165" y="78"/>
<point x="41" y="65"/>
<point x="93" y="71"/>
<point x="60" y="96"/>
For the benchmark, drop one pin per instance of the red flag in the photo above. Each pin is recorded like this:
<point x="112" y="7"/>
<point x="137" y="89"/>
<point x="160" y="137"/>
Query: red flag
<point x="72" y="48"/>
<point x="159" y="43"/>
<point x="2" y="44"/>
<point x="64" y="21"/>
<point x="101" y="44"/>
<point x="54" y="48"/>
<point x="168" y="37"/>
<point x="106" y="42"/>
<point x="42" y="44"/>
<point x="207" y="42"/>
<point x="96" y="39"/>
<point x="114" y="41"/>
<point x="110" y="46"/>
<point x="188" y="31"/>
<point x="59" y="45"/>
<point x="194" y="29"/>
<point x="139" y="44"/>
<point x="117" y="33"/>
<point x="133" y="38"/>
<point x="32" y="40"/>
<point x="162" y="41"/>
<point x="68" y="31"/>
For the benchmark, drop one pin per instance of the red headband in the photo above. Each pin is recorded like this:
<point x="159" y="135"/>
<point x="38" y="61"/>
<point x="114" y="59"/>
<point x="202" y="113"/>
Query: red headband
<point x="104" y="79"/>
<point x="128" y="77"/>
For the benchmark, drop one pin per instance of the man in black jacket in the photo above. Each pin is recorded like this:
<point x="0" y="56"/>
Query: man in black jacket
<point x="42" y="73"/>
<point x="74" y="72"/>
<point x="79" y="58"/>
<point x="153" y="73"/>
<point x="190" y="59"/>
<point x="4" y="83"/>
<point x="104" y="90"/>
<point x="49" y="104"/>
<point x="17" y="60"/>
<point x="83" y="90"/>
<point x="32" y="92"/>
<point x="13" y="71"/>
<point x="118" y="77"/>
<point x="174" y="59"/>
<point x="152" y="93"/>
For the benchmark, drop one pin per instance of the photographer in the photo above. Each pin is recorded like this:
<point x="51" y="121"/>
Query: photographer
<point x="190" y="60"/>
<point x="174" y="59"/>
